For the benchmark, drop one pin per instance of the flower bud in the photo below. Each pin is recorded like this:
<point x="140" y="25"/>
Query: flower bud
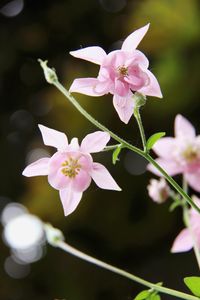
<point x="139" y="99"/>
<point x="50" y="74"/>
<point x="53" y="235"/>
<point x="158" y="190"/>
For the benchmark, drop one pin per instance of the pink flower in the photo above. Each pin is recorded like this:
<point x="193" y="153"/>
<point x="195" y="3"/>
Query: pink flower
<point x="158" y="190"/>
<point x="188" y="236"/>
<point x="180" y="154"/>
<point x="71" y="168"/>
<point x="121" y="73"/>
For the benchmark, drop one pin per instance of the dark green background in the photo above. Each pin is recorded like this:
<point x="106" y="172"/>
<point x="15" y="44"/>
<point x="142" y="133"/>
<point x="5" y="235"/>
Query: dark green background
<point x="126" y="229"/>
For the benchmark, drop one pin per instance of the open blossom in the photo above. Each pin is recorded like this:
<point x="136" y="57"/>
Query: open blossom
<point x="121" y="73"/>
<point x="188" y="236"/>
<point x="71" y="168"/>
<point x="180" y="154"/>
<point x="158" y="190"/>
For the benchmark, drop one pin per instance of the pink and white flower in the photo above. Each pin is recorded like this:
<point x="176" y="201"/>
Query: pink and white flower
<point x="181" y="154"/>
<point x="158" y="190"/>
<point x="191" y="235"/>
<point x="121" y="73"/>
<point x="71" y="168"/>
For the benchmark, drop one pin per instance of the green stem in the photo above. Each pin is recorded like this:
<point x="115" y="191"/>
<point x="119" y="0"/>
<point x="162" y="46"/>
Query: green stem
<point x="111" y="147"/>
<point x="65" y="92"/>
<point x="67" y="248"/>
<point x="51" y="77"/>
<point x="141" y="128"/>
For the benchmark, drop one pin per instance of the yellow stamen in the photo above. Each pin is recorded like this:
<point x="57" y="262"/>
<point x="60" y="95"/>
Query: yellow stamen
<point x="190" y="154"/>
<point x="71" y="167"/>
<point x="123" y="71"/>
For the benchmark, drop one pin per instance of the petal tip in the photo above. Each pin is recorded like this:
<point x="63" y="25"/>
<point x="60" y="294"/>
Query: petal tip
<point x="24" y="173"/>
<point x="118" y="189"/>
<point x="72" y="53"/>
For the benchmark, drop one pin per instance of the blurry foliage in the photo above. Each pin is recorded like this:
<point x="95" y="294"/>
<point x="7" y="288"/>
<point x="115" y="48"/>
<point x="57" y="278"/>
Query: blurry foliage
<point x="123" y="228"/>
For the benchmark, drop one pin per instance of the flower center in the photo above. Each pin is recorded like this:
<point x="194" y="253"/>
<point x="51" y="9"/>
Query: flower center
<point x="190" y="154"/>
<point x="71" y="167"/>
<point x="122" y="70"/>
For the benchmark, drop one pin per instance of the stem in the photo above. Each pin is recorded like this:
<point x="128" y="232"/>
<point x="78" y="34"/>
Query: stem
<point x="65" y="92"/>
<point x="141" y="128"/>
<point x="186" y="219"/>
<point x="112" y="147"/>
<point x="51" y="77"/>
<point x="67" y="248"/>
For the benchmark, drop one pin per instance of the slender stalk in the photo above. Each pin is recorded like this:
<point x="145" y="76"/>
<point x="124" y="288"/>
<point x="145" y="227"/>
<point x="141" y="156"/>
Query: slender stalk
<point x="66" y="93"/>
<point x="67" y="248"/>
<point x="51" y="77"/>
<point x="111" y="147"/>
<point x="141" y="128"/>
<point x="186" y="219"/>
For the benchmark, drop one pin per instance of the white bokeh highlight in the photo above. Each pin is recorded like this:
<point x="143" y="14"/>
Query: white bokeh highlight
<point x="13" y="8"/>
<point x="23" y="232"/>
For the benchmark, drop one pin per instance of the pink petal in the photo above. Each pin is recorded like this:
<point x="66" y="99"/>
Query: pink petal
<point x="102" y="178"/>
<point x="152" y="88"/>
<point x="103" y="87"/>
<point x="55" y="176"/>
<point x="169" y="166"/>
<point x="135" y="81"/>
<point x="86" y="161"/>
<point x="124" y="107"/>
<point x="38" y="168"/>
<point x="54" y="138"/>
<point x="121" y="88"/>
<point x="81" y="181"/>
<point x="74" y="145"/>
<point x="183" y="128"/>
<point x="138" y="58"/>
<point x="133" y="40"/>
<point x="165" y="147"/>
<point x="193" y="180"/>
<point x="58" y="180"/>
<point x="85" y="86"/>
<point x="95" y="142"/>
<point x="183" y="242"/>
<point x="115" y="59"/>
<point x="70" y="200"/>
<point x="95" y="55"/>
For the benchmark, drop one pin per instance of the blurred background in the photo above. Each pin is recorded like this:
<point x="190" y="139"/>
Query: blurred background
<point x="126" y="229"/>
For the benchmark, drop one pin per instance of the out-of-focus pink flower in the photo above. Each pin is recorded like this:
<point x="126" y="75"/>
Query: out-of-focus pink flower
<point x="158" y="190"/>
<point x="121" y="73"/>
<point x="188" y="236"/>
<point x="180" y="154"/>
<point x="71" y="168"/>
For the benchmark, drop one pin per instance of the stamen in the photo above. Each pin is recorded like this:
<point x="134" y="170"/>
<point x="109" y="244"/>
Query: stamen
<point x="123" y="71"/>
<point x="190" y="154"/>
<point x="71" y="167"/>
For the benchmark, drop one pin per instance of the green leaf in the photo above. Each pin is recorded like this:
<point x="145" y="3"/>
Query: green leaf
<point x="193" y="283"/>
<point x="153" y="139"/>
<point x="142" y="295"/>
<point x="154" y="297"/>
<point x="115" y="155"/>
